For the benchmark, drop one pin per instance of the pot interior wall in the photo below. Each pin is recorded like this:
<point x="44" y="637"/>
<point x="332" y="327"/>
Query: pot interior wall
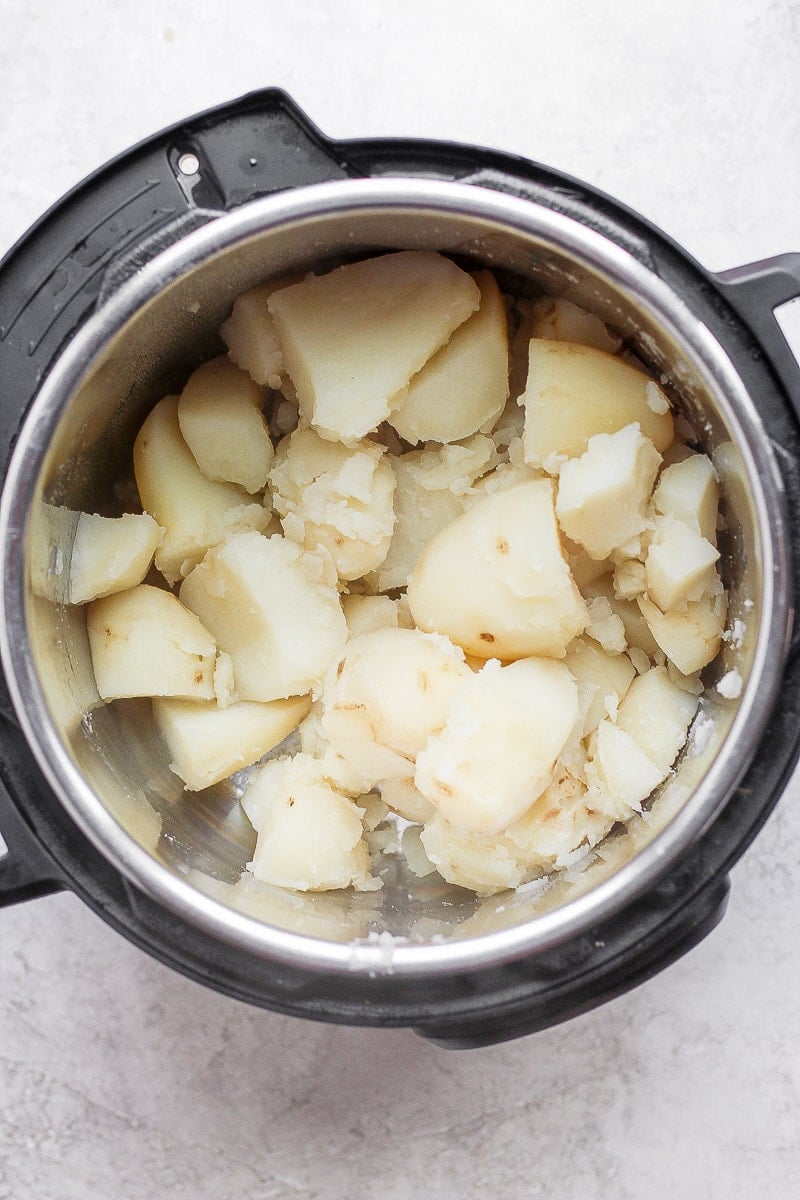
<point x="205" y="837"/>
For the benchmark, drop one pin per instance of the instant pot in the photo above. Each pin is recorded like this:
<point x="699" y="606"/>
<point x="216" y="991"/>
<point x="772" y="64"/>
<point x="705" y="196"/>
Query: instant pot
<point x="108" y="303"/>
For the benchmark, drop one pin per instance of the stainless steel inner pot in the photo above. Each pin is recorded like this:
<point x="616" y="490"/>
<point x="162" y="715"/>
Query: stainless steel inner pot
<point x="106" y="764"/>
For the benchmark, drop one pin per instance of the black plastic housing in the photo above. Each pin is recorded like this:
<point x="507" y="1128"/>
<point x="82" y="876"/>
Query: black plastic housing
<point x="54" y="278"/>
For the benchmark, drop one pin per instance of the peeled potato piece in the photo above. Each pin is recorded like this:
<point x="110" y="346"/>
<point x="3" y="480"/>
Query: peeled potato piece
<point x="575" y="392"/>
<point x="144" y="642"/>
<point x="637" y="631"/>
<point x="505" y="728"/>
<point x="483" y="864"/>
<point x="250" y="335"/>
<point x="386" y="695"/>
<point x="404" y="799"/>
<point x="602" y="495"/>
<point x="310" y="836"/>
<point x="556" y="825"/>
<point x="219" y="413"/>
<point x="337" y="497"/>
<point x="679" y="564"/>
<point x="432" y="487"/>
<point x="208" y="743"/>
<point x="77" y="557"/>
<point x="195" y="512"/>
<point x="365" y="614"/>
<point x="502" y="560"/>
<point x="279" y="625"/>
<point x="353" y="338"/>
<point x="690" y="637"/>
<point x="657" y="714"/>
<point x="689" y="491"/>
<point x="560" y="320"/>
<point x="603" y="679"/>
<point x="625" y="774"/>
<point x="465" y="384"/>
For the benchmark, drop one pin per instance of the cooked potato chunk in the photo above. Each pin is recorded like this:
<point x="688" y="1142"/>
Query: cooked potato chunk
<point x="560" y="320"/>
<point x="195" y="512"/>
<point x="689" y="491"/>
<point x="471" y="860"/>
<point x="557" y="825"/>
<point x="352" y="339"/>
<point x="465" y="384"/>
<point x="144" y="642"/>
<point x="637" y="631"/>
<point x="679" y="564"/>
<point x="625" y="774"/>
<point x="505" y="729"/>
<point x="208" y="743"/>
<point x="403" y="798"/>
<point x="657" y="714"/>
<point x="280" y="626"/>
<point x="575" y="392"/>
<point x="689" y="636"/>
<point x="503" y="561"/>
<point x="603" y="679"/>
<point x="432" y="487"/>
<point x="365" y="614"/>
<point x="386" y="695"/>
<point x="602" y="495"/>
<point x="310" y="836"/>
<point x="219" y="414"/>
<point x="77" y="557"/>
<point x="337" y="497"/>
<point x="249" y="333"/>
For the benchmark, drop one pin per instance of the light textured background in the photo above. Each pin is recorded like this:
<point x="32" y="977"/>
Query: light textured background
<point x="117" y="1077"/>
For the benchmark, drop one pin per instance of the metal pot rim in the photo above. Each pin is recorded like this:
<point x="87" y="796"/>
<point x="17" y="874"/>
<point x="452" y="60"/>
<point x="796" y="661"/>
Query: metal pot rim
<point x="607" y="260"/>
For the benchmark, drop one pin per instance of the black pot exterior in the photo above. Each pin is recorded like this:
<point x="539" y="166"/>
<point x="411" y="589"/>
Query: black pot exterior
<point x="54" y="278"/>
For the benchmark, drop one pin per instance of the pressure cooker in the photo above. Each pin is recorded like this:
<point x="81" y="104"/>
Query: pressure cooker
<point x="108" y="303"/>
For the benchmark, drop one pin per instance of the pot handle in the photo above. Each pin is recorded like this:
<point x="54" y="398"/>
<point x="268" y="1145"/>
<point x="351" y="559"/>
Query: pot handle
<point x="755" y="290"/>
<point x="665" y="945"/>
<point x="26" y="869"/>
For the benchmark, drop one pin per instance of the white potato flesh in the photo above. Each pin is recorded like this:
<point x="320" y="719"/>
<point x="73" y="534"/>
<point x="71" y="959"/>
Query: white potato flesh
<point x="602" y="679"/>
<point x="77" y="557"/>
<point x="690" y="637"/>
<point x="208" y="743"/>
<point x="220" y="418"/>
<point x="404" y="799"/>
<point x="420" y="512"/>
<point x="605" y="626"/>
<point x="583" y="568"/>
<point x="602" y="495"/>
<point x="195" y="512"/>
<point x="331" y="766"/>
<point x="144" y="642"/>
<point x="485" y="865"/>
<point x="679" y="564"/>
<point x="384" y="697"/>
<point x="365" y="614"/>
<point x="575" y="392"/>
<point x="657" y="714"/>
<point x="560" y="320"/>
<point x="280" y="626"/>
<point x="336" y="497"/>
<point x="310" y="836"/>
<point x="250" y="335"/>
<point x="689" y="490"/>
<point x="465" y="384"/>
<point x="637" y="631"/>
<point x="505" y="729"/>
<point x="625" y="773"/>
<point x="352" y="339"/>
<point x="557" y="825"/>
<point x="630" y="579"/>
<point x="503" y="560"/>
